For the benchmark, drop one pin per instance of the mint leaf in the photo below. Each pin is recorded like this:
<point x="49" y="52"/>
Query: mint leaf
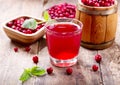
<point x="37" y="71"/>
<point x="46" y="15"/>
<point x="25" y="75"/>
<point x="30" y="23"/>
<point x="34" y="71"/>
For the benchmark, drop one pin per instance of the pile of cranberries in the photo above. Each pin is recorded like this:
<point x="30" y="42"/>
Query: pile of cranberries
<point x="16" y="24"/>
<point x="62" y="10"/>
<point x="98" y="3"/>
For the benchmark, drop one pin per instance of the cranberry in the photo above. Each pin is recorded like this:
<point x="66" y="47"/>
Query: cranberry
<point x="40" y="25"/>
<point x="9" y="24"/>
<point x="96" y="4"/>
<point x="69" y="70"/>
<point x="102" y="3"/>
<point x="87" y="2"/>
<point x="27" y="49"/>
<point x="71" y="16"/>
<point x="18" y="28"/>
<point x="95" y="67"/>
<point x="13" y="26"/>
<point x="24" y="31"/>
<point x="16" y="49"/>
<point x="28" y="31"/>
<point x="35" y="59"/>
<point x="18" y="25"/>
<point x="106" y="4"/>
<point x="22" y="20"/>
<point x="49" y="70"/>
<point x="98" y="58"/>
<point x="59" y="12"/>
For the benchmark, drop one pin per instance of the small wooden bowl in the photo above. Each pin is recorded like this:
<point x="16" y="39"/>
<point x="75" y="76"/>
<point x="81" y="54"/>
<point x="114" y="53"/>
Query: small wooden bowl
<point x="20" y="37"/>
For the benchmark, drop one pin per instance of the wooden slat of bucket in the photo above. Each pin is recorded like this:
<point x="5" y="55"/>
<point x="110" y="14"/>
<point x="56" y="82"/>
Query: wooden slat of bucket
<point x="87" y="21"/>
<point x="111" y="27"/>
<point x="77" y="16"/>
<point x="98" y="29"/>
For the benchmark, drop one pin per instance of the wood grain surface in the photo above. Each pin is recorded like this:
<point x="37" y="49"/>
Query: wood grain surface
<point x="12" y="64"/>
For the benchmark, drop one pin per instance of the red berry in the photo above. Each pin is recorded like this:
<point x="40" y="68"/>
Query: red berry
<point x="98" y="3"/>
<point x="16" y="49"/>
<point x="9" y="24"/>
<point x="35" y="59"/>
<point x="27" y="49"/>
<point x="106" y="4"/>
<point x="98" y="58"/>
<point x="28" y="31"/>
<point x="13" y="26"/>
<point x="95" y="67"/>
<point x="69" y="70"/>
<point x="49" y="70"/>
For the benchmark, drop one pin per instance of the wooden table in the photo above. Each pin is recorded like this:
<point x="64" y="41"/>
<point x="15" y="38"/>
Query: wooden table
<point x="12" y="64"/>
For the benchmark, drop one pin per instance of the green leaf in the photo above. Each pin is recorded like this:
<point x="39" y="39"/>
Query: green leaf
<point x="25" y="75"/>
<point x="34" y="71"/>
<point x="46" y="15"/>
<point x="37" y="71"/>
<point x="30" y="23"/>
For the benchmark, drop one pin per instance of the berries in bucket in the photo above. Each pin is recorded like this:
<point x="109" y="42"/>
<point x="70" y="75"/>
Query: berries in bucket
<point x="98" y="3"/>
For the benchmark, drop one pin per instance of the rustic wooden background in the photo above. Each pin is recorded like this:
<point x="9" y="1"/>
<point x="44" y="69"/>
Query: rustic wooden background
<point x="12" y="64"/>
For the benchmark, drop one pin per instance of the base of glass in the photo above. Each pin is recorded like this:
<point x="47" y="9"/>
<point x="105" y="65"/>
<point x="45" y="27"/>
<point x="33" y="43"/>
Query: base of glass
<point x="63" y="63"/>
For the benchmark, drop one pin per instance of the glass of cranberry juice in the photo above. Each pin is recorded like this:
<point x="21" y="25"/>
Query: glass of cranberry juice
<point x="63" y="41"/>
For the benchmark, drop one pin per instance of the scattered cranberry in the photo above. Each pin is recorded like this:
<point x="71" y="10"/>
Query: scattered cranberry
<point x="17" y="25"/>
<point x="49" y="70"/>
<point x="16" y="49"/>
<point x="69" y="70"/>
<point x="95" y="67"/>
<point x="35" y="59"/>
<point x="27" y="49"/>
<point x="62" y="10"/>
<point x="98" y="58"/>
<point x="98" y="3"/>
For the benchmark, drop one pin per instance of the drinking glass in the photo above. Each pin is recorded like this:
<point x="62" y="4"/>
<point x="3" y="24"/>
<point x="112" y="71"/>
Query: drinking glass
<point x="63" y="37"/>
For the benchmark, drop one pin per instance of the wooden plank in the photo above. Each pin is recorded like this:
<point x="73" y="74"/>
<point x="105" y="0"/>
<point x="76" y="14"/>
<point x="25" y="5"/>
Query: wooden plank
<point x="86" y="61"/>
<point x="77" y="16"/>
<point x="111" y="58"/>
<point x="98" y="29"/>
<point x="110" y="65"/>
<point x="86" y="31"/>
<point x="111" y="27"/>
<point x="12" y="64"/>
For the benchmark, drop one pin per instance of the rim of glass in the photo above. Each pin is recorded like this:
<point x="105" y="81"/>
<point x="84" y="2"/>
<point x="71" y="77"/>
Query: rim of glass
<point x="68" y="20"/>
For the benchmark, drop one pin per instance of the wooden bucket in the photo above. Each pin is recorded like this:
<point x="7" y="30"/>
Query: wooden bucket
<point x="99" y="25"/>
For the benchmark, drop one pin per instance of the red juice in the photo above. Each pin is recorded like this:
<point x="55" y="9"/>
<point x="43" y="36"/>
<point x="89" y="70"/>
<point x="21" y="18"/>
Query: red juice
<point x="63" y="40"/>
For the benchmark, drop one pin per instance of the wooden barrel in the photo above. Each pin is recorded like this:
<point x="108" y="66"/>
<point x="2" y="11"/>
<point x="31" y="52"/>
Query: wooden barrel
<point x="99" y="25"/>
